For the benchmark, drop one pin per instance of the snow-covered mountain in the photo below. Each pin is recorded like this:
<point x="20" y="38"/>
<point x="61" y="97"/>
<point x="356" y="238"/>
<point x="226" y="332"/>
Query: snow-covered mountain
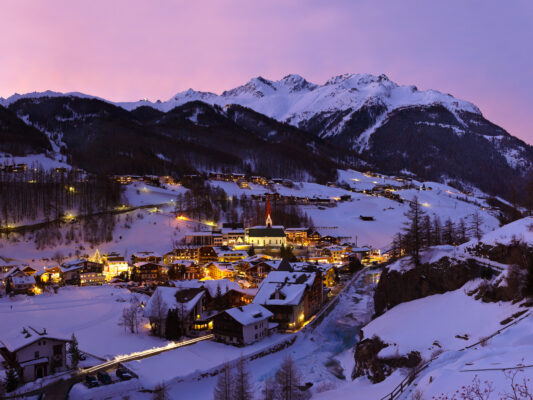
<point x="386" y="126"/>
<point x="295" y="100"/>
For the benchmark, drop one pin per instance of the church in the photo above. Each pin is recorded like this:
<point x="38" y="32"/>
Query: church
<point x="267" y="235"/>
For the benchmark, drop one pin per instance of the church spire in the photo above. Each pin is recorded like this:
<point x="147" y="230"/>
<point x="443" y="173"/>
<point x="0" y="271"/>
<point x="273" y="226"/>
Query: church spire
<point x="268" y="217"/>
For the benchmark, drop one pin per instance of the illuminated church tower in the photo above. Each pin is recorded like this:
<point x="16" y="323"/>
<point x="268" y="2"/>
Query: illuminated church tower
<point x="268" y="214"/>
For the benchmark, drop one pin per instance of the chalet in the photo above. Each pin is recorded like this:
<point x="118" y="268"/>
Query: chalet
<point x="231" y="294"/>
<point x="296" y="235"/>
<point x="33" y="353"/>
<point x="256" y="272"/>
<point x="7" y="264"/>
<point x="220" y="270"/>
<point x="207" y="254"/>
<point x="114" y="265"/>
<point x="328" y="271"/>
<point x="92" y="274"/>
<point x="72" y="272"/>
<point x="190" y="304"/>
<point x="313" y="236"/>
<point x="29" y="270"/>
<point x="242" y="325"/>
<point x="339" y="254"/>
<point x="360" y="252"/>
<point x="293" y="297"/>
<point x="186" y="270"/>
<point x="181" y="253"/>
<point x="146" y="256"/>
<point x="225" y="254"/>
<point x="150" y="272"/>
<point x="21" y="283"/>
<point x="51" y="275"/>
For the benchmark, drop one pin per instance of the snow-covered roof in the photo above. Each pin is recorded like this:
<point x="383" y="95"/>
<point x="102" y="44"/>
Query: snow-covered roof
<point x="189" y="297"/>
<point x="210" y="285"/>
<point x="225" y="252"/>
<point x="284" y="288"/>
<point x="23" y="280"/>
<point x="266" y="231"/>
<point x="249" y="314"/>
<point x="23" y="336"/>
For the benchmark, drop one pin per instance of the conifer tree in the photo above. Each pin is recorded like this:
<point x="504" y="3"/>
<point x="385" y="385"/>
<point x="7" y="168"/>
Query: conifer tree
<point x="74" y="352"/>
<point x="413" y="230"/>
<point x="12" y="379"/>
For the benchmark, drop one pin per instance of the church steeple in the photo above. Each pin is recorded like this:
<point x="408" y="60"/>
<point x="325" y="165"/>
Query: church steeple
<point x="268" y="217"/>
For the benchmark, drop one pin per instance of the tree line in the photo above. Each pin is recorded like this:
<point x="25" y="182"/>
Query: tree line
<point x="422" y="231"/>
<point x="37" y="193"/>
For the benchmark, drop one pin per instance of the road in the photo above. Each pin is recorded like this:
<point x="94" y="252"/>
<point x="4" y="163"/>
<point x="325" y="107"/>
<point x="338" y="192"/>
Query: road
<point x="59" y="389"/>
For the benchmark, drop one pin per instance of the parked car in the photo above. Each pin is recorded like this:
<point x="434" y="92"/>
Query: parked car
<point x="124" y="374"/>
<point x="91" y="381"/>
<point x="104" y="377"/>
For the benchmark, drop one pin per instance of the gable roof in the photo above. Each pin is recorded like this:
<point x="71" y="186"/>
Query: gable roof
<point x="265" y="231"/>
<point x="210" y="285"/>
<point x="284" y="288"/>
<point x="174" y="299"/>
<point x="19" y="338"/>
<point x="249" y="314"/>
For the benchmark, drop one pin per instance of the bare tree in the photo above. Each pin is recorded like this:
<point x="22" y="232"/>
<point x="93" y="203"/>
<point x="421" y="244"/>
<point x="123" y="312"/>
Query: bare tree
<point x="223" y="388"/>
<point x="158" y="312"/>
<point x="475" y="225"/>
<point x="269" y="389"/>
<point x="288" y="381"/>
<point x="242" y="388"/>
<point x="131" y="315"/>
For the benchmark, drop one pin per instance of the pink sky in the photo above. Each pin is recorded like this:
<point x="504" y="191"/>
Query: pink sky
<point x="477" y="50"/>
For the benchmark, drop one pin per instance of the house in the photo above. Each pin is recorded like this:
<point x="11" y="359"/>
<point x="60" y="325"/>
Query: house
<point x="21" y="284"/>
<point x="293" y="297"/>
<point x="146" y="256"/>
<point x="218" y="292"/>
<point x="296" y="235"/>
<point x="73" y="271"/>
<point x="150" y="272"/>
<point x="181" y="253"/>
<point x="92" y="274"/>
<point x="313" y="237"/>
<point x="29" y="270"/>
<point x="186" y="270"/>
<point x="114" y="265"/>
<point x="242" y="325"/>
<point x="190" y="304"/>
<point x="360" y="252"/>
<point x="6" y="264"/>
<point x="258" y="271"/>
<point x="207" y="254"/>
<point x="225" y="254"/>
<point x="220" y="270"/>
<point x="51" y="275"/>
<point x="34" y="353"/>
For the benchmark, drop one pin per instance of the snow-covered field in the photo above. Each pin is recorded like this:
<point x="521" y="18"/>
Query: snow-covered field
<point x="91" y="313"/>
